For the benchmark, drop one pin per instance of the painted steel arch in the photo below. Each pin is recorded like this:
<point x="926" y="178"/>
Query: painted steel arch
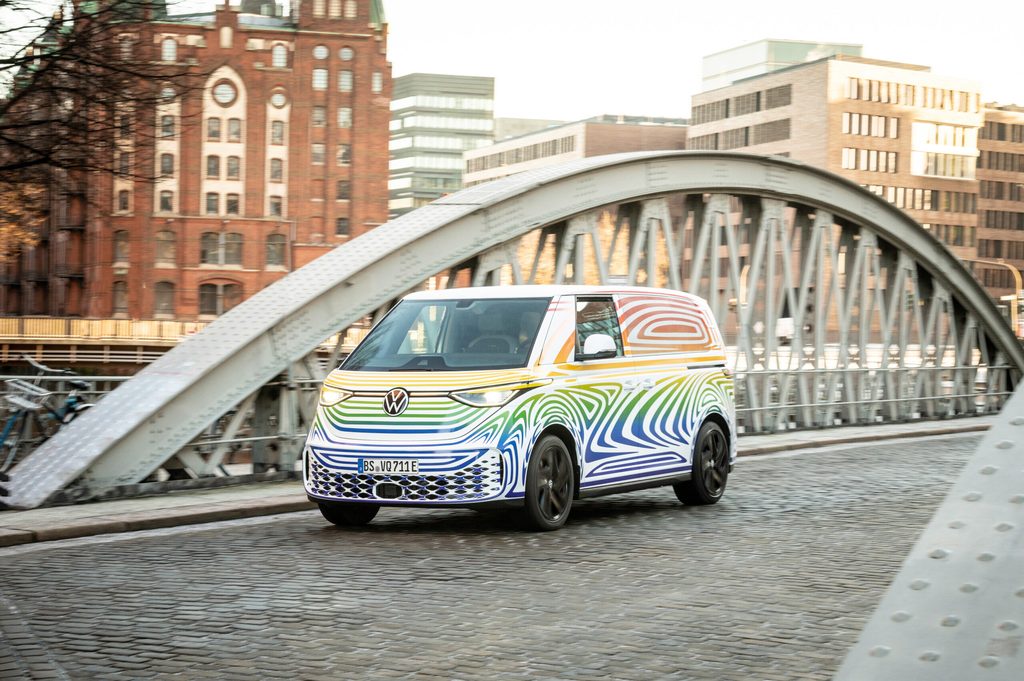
<point x="138" y="426"/>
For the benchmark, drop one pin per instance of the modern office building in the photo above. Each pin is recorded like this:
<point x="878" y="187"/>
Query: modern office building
<point x="764" y="56"/>
<point x="590" y="137"/>
<point x="278" y="157"/>
<point x="904" y="133"/>
<point x="434" y="118"/>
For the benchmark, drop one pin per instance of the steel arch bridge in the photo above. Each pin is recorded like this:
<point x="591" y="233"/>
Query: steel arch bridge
<point x="841" y="309"/>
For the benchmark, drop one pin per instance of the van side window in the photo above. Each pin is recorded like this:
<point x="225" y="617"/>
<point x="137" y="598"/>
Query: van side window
<point x="596" y="315"/>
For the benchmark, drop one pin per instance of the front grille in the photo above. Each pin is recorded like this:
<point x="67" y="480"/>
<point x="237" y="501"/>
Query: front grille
<point x="478" y="480"/>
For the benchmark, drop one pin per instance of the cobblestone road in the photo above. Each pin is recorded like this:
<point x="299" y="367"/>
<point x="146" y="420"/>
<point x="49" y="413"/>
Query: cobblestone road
<point x="775" y="582"/>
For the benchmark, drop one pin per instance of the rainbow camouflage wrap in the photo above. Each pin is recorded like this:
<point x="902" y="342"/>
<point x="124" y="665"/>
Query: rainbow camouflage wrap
<point x="631" y="419"/>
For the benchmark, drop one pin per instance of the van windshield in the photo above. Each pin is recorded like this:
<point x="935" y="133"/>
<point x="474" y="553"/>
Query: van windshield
<point x="452" y="335"/>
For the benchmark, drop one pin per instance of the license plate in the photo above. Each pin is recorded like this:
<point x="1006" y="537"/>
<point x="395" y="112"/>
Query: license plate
<point x="389" y="466"/>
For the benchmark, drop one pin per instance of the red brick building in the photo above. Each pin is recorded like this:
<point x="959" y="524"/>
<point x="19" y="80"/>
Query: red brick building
<point x="280" y="155"/>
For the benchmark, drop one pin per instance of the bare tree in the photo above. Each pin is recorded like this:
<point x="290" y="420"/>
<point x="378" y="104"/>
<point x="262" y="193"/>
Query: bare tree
<point x="77" y="79"/>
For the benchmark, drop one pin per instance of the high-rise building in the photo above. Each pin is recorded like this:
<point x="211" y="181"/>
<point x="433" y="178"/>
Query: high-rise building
<point x="590" y="137"/>
<point x="434" y="118"/>
<point x="908" y="135"/>
<point x="279" y="156"/>
<point x="764" y="56"/>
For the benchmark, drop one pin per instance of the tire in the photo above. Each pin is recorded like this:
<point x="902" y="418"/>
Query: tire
<point x="550" y="484"/>
<point x="710" y="468"/>
<point x="349" y="515"/>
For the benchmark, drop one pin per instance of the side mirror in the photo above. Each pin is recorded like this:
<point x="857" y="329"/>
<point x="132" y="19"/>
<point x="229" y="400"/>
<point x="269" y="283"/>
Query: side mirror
<point x="598" y="346"/>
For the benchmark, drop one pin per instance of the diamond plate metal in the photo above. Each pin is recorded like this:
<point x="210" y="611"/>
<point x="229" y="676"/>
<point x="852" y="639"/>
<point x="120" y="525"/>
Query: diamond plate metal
<point x="956" y="608"/>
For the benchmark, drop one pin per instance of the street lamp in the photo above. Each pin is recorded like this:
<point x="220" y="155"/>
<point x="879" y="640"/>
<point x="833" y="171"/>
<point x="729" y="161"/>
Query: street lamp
<point x="1013" y="299"/>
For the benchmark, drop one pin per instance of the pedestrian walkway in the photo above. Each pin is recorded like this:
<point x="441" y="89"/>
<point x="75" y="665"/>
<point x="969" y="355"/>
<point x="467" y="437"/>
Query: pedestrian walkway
<point x="189" y="507"/>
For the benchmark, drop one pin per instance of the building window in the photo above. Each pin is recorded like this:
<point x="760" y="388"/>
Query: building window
<point x="164" y="299"/>
<point x="167" y="126"/>
<point x="341" y="227"/>
<point x="350" y="9"/>
<point x="344" y="154"/>
<point x="343" y="190"/>
<point x="277" y="132"/>
<point x="120" y="298"/>
<point x="234" y="168"/>
<point x="276" y="170"/>
<point x="123" y="200"/>
<point x="319" y="79"/>
<point x="166" y="165"/>
<point x="124" y="163"/>
<point x="275" y="250"/>
<point x="166" y="248"/>
<point x="166" y="201"/>
<point x="234" y="130"/>
<point x="124" y="126"/>
<point x="318" y="7"/>
<point x="220" y="249"/>
<point x="321" y="52"/>
<point x="346" y="54"/>
<point x="231" y="204"/>
<point x="344" y="117"/>
<point x="213" y="129"/>
<point x="345" y="81"/>
<point x="317" y="154"/>
<point x="169" y="49"/>
<point x="213" y="166"/>
<point x="121" y="248"/>
<point x="212" y="203"/>
<point x="276" y="206"/>
<point x="216" y="299"/>
<point x="279" y="57"/>
<point x="377" y="81"/>
<point x="319" y="116"/>
<point x="334" y="9"/>
<point x="127" y="47"/>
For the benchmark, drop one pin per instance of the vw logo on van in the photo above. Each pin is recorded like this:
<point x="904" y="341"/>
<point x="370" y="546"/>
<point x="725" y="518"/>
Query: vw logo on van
<point x="396" y="401"/>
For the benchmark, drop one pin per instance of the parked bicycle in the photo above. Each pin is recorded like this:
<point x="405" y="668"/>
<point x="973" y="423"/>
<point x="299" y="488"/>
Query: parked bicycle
<point x="32" y="415"/>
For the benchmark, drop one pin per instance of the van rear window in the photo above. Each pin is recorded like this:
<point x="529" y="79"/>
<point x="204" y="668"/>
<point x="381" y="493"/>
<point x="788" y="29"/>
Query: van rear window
<point x="452" y="335"/>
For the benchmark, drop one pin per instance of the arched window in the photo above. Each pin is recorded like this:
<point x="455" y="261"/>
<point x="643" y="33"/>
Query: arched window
<point x="121" y="250"/>
<point x="233" y="249"/>
<point x="319" y="79"/>
<point x="275" y="249"/>
<point x="231" y="204"/>
<point x="216" y="299"/>
<point x="279" y="57"/>
<point x="234" y="167"/>
<point x="213" y="166"/>
<point x="166" y="248"/>
<point x="166" y="165"/>
<point x="167" y="126"/>
<point x="169" y="49"/>
<point x="209" y="248"/>
<point x="164" y="299"/>
<point x="277" y="132"/>
<point x="334" y="9"/>
<point x="350" y="9"/>
<point x="220" y="249"/>
<point x="120" y="298"/>
<point x="212" y="203"/>
<point x="234" y="130"/>
<point x="213" y="129"/>
<point x="345" y="81"/>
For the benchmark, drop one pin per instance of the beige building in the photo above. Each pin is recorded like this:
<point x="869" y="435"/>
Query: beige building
<point x="899" y="130"/>
<point x="581" y="139"/>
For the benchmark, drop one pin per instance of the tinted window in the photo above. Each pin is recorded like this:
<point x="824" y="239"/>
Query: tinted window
<point x="452" y="335"/>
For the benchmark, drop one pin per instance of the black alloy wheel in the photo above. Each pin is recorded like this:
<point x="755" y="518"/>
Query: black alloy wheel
<point x="710" y="468"/>
<point x="348" y="515"/>
<point x="550" y="484"/>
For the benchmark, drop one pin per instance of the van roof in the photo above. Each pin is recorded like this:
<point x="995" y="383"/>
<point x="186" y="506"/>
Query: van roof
<point x="530" y="291"/>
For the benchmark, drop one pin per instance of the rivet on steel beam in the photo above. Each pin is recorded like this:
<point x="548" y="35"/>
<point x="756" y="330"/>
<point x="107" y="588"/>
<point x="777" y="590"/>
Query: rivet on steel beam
<point x="969" y="588"/>
<point x="1004" y="527"/>
<point x="1017" y="499"/>
<point x="901" y="616"/>
<point x="919" y="584"/>
<point x="880" y="651"/>
<point x="950" y="621"/>
<point x="929" y="656"/>
<point x="988" y="470"/>
<point x="987" y="557"/>
<point x="957" y="525"/>
<point x="1008" y="625"/>
<point x="988" y="661"/>
<point x="938" y="554"/>
<point x="972" y="496"/>
<point x="1004" y="444"/>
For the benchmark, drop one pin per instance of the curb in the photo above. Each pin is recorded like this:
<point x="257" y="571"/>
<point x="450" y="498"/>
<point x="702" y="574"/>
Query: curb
<point x="12" y="535"/>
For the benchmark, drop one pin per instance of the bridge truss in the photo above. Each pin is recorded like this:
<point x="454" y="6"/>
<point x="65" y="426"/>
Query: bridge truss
<point x="840" y="308"/>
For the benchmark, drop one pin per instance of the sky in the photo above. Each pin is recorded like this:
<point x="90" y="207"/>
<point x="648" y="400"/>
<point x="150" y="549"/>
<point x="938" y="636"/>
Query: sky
<point x="572" y="59"/>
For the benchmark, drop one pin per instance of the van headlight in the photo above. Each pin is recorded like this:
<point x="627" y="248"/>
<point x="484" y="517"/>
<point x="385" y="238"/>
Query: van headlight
<point x="332" y="396"/>
<point x="497" y="395"/>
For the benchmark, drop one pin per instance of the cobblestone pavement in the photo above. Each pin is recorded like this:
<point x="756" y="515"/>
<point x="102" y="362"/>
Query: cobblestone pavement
<point x="774" y="582"/>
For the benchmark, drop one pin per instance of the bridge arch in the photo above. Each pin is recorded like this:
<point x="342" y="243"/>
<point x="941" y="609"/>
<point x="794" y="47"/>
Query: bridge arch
<point x="858" y="279"/>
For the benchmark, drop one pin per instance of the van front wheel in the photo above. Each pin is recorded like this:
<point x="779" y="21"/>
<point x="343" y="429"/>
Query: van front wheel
<point x="710" y="468"/>
<point x="348" y="515"/>
<point x="550" y="482"/>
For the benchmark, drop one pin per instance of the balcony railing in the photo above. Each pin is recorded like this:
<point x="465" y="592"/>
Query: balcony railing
<point x="118" y="331"/>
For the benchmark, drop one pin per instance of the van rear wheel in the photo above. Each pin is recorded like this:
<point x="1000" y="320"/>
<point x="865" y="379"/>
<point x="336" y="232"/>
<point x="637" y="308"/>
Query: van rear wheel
<point x="550" y="483"/>
<point x="348" y="515"/>
<point x="710" y="468"/>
